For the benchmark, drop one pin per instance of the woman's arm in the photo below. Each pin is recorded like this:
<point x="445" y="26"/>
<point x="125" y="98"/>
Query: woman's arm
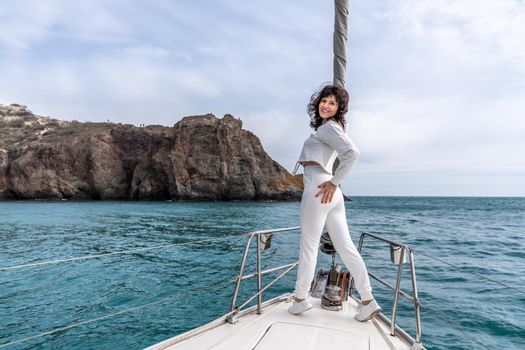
<point x="333" y="135"/>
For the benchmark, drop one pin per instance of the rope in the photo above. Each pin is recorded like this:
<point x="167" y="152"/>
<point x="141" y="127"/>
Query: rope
<point x="473" y="273"/>
<point x="96" y="256"/>
<point x="382" y="332"/>
<point x="64" y="328"/>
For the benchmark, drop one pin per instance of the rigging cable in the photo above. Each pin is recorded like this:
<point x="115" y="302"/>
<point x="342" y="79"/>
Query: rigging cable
<point x="96" y="256"/>
<point x="77" y="324"/>
<point x="453" y="325"/>
<point x="474" y="273"/>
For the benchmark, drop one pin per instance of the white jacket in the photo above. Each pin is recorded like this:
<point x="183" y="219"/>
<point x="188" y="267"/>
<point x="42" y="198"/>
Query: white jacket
<point x="329" y="142"/>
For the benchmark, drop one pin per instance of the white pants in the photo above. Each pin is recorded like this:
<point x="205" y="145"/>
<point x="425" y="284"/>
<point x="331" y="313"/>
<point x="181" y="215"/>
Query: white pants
<point x="313" y="218"/>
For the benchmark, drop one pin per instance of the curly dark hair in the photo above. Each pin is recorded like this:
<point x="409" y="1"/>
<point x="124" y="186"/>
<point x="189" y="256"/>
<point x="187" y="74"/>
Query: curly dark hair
<point x="341" y="96"/>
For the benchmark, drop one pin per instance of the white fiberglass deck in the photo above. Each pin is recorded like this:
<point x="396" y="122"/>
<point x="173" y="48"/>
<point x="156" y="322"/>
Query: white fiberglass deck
<point x="275" y="328"/>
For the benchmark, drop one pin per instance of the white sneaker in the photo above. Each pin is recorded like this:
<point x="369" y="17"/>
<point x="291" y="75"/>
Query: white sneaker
<point x="368" y="311"/>
<point x="299" y="306"/>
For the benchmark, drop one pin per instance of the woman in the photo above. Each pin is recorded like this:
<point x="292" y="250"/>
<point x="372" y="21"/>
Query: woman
<point x="322" y="201"/>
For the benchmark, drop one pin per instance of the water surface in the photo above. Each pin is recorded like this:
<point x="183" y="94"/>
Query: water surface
<point x="460" y="310"/>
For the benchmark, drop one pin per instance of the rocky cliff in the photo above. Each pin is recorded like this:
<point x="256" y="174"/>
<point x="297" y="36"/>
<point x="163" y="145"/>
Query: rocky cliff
<point x="200" y="158"/>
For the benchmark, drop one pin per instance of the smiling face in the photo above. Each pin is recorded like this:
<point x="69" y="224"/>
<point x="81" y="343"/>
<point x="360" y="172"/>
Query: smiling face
<point x="328" y="107"/>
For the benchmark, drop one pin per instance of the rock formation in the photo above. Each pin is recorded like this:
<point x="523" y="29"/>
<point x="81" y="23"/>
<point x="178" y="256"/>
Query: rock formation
<point x="200" y="158"/>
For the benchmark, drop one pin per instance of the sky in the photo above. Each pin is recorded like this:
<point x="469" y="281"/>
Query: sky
<point x="437" y="87"/>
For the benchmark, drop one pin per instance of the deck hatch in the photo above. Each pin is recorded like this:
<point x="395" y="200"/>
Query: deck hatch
<point x="293" y="336"/>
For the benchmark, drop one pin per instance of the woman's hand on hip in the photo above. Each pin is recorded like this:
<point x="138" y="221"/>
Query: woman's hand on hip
<point x="327" y="190"/>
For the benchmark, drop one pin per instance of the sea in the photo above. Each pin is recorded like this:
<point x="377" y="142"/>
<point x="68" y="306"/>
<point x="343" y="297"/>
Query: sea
<point x="148" y="271"/>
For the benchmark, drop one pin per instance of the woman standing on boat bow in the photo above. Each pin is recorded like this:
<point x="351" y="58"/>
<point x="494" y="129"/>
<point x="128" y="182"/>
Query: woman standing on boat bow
<point x="322" y="200"/>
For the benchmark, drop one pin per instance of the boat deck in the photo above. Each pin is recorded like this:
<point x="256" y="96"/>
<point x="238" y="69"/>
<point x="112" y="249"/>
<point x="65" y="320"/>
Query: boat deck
<point x="275" y="328"/>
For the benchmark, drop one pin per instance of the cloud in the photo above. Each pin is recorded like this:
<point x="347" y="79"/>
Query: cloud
<point x="26" y="24"/>
<point x="436" y="86"/>
<point x="280" y="132"/>
<point x="398" y="133"/>
<point x="466" y="30"/>
<point x="146" y="51"/>
<point x="438" y="92"/>
<point x="169" y="49"/>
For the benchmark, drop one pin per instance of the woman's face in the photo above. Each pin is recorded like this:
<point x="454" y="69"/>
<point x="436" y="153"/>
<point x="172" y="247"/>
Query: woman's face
<point x="328" y="107"/>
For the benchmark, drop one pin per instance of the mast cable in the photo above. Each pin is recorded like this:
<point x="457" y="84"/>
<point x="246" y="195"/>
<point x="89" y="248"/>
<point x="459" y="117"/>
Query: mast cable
<point x="474" y="273"/>
<point x="130" y="251"/>
<point x="455" y="326"/>
<point x="73" y="325"/>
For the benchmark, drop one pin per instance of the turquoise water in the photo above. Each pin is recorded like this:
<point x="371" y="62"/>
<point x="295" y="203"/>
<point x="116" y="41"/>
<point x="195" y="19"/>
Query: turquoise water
<point x="460" y="310"/>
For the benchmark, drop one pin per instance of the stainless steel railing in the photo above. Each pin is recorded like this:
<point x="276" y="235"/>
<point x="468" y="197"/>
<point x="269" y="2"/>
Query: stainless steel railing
<point x="398" y="256"/>
<point x="263" y="241"/>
